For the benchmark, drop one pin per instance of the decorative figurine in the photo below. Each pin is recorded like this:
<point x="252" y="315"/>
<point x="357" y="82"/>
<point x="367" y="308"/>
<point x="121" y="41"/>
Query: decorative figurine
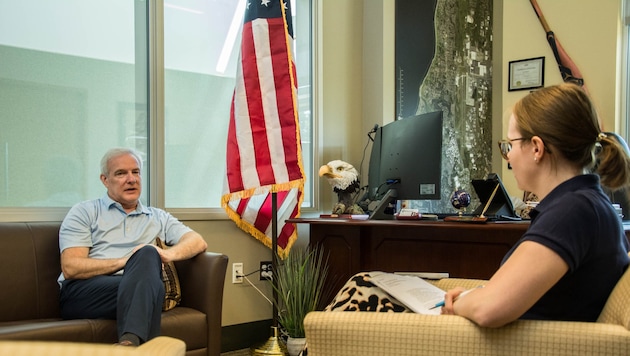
<point x="344" y="179"/>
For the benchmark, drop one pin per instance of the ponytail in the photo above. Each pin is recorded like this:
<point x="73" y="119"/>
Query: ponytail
<point x="613" y="161"/>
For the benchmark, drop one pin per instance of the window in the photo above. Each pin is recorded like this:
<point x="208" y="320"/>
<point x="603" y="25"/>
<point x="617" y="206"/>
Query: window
<point x="71" y="86"/>
<point x="74" y="82"/>
<point x="201" y="48"/>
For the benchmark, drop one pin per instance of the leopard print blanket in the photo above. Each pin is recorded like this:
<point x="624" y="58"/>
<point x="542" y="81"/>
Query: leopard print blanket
<point x="359" y="294"/>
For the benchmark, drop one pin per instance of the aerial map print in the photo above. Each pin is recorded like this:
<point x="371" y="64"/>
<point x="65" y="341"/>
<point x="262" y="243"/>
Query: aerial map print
<point x="444" y="62"/>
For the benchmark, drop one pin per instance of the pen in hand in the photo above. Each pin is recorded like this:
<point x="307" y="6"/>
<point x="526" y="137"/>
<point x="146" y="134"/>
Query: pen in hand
<point x="441" y="304"/>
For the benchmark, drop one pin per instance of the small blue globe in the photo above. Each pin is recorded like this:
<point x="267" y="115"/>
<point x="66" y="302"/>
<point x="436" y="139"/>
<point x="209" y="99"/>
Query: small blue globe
<point x="460" y="199"/>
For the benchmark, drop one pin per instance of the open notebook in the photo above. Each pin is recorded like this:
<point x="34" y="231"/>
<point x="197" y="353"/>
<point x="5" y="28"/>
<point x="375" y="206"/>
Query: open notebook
<point x="414" y="292"/>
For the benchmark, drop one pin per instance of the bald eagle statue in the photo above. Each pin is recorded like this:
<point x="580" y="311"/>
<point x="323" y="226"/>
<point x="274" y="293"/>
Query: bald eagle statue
<point x="344" y="179"/>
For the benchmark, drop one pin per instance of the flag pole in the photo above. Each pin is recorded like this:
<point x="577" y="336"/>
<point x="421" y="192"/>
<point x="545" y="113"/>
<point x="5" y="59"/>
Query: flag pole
<point x="273" y="346"/>
<point x="274" y="253"/>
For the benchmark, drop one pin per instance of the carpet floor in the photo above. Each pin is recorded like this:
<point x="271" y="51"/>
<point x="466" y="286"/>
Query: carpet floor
<point x="243" y="352"/>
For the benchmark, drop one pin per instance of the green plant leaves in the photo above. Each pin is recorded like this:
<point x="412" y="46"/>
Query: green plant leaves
<point x="300" y="279"/>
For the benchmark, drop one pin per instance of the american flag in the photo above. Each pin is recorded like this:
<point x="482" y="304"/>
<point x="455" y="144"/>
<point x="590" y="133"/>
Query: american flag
<point x="263" y="147"/>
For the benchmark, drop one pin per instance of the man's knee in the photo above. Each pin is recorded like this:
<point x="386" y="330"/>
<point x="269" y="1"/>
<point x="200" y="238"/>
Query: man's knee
<point x="147" y="251"/>
<point x="146" y="254"/>
<point x="144" y="260"/>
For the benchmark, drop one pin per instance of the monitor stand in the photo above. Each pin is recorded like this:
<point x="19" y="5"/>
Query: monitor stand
<point x="379" y="211"/>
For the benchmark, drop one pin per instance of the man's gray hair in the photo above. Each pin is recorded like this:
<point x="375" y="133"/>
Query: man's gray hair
<point x="115" y="152"/>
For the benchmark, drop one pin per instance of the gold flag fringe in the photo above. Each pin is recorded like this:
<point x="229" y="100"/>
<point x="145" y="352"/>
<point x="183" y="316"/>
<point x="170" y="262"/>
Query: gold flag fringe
<point x="250" y="228"/>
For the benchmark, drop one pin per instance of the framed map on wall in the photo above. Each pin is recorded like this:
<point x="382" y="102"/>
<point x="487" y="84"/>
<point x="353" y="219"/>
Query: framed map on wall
<point x="444" y="62"/>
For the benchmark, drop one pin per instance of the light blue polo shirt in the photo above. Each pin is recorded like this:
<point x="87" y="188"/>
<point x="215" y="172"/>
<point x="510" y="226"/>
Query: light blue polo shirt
<point x="104" y="226"/>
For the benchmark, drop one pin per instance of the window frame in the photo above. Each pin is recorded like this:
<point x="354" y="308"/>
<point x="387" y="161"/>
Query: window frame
<point x="155" y="167"/>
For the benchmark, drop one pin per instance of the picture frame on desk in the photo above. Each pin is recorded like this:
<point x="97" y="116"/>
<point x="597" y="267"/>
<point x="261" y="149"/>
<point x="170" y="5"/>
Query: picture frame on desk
<point x="526" y="74"/>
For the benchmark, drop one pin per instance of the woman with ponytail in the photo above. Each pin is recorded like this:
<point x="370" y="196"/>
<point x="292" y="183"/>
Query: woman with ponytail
<point x="575" y="250"/>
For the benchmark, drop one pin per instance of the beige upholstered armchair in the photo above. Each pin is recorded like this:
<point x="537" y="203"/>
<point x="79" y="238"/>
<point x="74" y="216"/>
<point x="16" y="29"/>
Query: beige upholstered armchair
<point x="159" y="346"/>
<point x="406" y="334"/>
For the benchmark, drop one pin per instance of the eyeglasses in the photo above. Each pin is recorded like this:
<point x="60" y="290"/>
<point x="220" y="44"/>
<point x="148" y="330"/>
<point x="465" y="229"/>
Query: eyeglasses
<point x="505" y="146"/>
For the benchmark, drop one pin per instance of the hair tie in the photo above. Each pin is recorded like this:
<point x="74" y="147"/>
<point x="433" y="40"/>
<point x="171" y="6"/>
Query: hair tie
<point x="600" y="137"/>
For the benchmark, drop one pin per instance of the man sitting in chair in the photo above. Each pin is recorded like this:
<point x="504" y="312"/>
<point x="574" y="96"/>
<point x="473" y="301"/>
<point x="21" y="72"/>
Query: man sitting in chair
<point x="100" y="239"/>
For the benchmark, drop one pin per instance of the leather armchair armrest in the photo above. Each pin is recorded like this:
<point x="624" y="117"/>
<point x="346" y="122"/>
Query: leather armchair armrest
<point x="202" y="279"/>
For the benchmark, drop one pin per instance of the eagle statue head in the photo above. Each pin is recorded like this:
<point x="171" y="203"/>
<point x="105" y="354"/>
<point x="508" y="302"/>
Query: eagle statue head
<point x="344" y="179"/>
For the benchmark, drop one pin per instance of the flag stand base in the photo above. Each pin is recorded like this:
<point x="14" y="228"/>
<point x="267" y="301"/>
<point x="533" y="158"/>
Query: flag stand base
<point x="273" y="345"/>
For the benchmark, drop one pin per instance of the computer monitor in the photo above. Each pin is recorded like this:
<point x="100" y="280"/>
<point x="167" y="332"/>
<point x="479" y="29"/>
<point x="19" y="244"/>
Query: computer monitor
<point x="406" y="162"/>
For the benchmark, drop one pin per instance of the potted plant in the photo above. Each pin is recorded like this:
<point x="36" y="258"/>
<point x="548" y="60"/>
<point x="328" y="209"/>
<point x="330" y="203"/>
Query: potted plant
<point x="299" y="286"/>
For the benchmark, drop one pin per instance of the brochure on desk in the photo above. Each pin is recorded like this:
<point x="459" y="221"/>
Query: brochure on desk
<point x="417" y="294"/>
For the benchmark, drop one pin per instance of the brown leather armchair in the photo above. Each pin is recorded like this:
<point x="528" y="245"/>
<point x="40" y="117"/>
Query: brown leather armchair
<point x="29" y="294"/>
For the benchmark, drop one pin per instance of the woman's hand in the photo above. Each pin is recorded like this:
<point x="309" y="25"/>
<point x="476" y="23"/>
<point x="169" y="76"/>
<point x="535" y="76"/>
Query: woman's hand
<point x="449" y="299"/>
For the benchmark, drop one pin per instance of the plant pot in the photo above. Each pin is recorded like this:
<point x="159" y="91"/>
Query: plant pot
<point x="295" y="345"/>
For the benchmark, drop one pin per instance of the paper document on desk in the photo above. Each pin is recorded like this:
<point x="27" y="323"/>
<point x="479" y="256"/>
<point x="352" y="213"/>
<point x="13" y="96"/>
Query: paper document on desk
<point x="415" y="293"/>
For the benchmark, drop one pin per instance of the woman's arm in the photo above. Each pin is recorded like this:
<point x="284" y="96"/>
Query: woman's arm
<point x="525" y="277"/>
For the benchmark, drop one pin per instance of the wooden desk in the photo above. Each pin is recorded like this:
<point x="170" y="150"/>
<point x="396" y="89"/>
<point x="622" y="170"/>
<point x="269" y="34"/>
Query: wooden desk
<point x="463" y="250"/>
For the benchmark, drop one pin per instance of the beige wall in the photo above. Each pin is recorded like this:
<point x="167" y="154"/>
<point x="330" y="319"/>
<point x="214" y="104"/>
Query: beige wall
<point x="588" y="31"/>
<point x="340" y="84"/>
<point x="355" y="89"/>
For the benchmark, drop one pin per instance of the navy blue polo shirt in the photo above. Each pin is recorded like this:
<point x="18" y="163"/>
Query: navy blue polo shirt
<point x="577" y="221"/>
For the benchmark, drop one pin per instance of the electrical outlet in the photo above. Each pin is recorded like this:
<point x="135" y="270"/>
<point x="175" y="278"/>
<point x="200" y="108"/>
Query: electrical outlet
<point x="237" y="272"/>
<point x="266" y="270"/>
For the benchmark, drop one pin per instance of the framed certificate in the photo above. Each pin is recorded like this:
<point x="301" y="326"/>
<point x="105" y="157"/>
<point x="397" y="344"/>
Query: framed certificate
<point x="526" y="74"/>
